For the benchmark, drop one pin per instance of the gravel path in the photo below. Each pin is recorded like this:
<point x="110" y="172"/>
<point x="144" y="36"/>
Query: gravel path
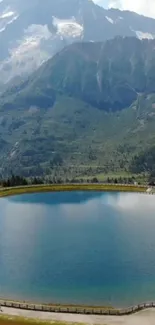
<point x="146" y="317"/>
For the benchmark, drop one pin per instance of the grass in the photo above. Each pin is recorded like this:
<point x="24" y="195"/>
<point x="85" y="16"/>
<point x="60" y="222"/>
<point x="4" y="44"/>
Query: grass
<point x="70" y="187"/>
<point x="102" y="177"/>
<point x="14" y="320"/>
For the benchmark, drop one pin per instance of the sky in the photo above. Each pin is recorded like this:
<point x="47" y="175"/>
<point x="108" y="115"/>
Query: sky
<point x="144" y="7"/>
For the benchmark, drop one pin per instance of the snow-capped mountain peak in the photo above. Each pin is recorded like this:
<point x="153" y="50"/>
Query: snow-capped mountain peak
<point x="32" y="31"/>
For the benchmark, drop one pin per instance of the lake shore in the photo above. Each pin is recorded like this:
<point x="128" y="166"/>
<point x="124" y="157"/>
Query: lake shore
<point x="10" y="191"/>
<point x="65" y="316"/>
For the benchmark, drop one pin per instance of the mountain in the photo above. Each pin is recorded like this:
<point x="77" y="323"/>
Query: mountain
<point x="108" y="75"/>
<point x="87" y="110"/>
<point x="33" y="31"/>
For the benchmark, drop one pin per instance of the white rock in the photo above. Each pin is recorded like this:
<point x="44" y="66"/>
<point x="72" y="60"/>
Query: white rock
<point x="68" y="27"/>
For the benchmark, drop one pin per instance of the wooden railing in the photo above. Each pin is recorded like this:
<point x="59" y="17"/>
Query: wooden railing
<point x="76" y="310"/>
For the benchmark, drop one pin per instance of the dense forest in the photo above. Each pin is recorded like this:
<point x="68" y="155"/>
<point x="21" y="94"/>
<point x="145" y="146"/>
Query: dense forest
<point x="90" y="110"/>
<point x="15" y="180"/>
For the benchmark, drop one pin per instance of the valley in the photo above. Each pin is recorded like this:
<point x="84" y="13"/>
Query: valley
<point x="89" y="110"/>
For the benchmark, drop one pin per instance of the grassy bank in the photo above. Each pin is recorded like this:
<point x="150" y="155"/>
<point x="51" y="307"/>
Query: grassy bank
<point x="102" y="177"/>
<point x="14" y="320"/>
<point x="70" y="187"/>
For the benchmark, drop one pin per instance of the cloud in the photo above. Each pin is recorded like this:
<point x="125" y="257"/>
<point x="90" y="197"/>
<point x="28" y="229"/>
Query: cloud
<point x="144" y="7"/>
<point x="103" y="3"/>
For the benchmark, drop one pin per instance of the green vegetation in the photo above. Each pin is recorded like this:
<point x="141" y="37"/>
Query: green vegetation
<point x="74" y="140"/>
<point x="70" y="187"/>
<point x="20" y="185"/>
<point x="14" y="320"/>
<point x="76" y="119"/>
<point x="144" y="162"/>
<point x="106" y="75"/>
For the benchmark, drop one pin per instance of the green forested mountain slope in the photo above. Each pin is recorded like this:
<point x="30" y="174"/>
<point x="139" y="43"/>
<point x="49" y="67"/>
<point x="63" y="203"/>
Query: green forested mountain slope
<point x="74" y="136"/>
<point x="91" y="106"/>
<point x="106" y="75"/>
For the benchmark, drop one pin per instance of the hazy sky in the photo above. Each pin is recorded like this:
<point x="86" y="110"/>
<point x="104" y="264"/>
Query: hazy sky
<point x="145" y="7"/>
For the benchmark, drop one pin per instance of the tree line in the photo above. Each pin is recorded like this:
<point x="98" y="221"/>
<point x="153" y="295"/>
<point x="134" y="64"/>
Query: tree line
<point x="15" y="180"/>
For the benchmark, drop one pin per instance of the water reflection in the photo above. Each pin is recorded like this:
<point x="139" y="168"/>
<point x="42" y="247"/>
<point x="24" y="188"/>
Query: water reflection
<point x="78" y="247"/>
<point x="56" y="198"/>
<point x="134" y="203"/>
<point x="121" y="201"/>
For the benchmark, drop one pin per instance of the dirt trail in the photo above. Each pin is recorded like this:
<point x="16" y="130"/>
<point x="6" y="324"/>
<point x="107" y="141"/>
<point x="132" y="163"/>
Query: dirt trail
<point x="146" y="317"/>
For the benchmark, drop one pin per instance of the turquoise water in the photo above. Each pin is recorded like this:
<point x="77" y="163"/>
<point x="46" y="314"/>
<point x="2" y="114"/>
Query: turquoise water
<point x="80" y="247"/>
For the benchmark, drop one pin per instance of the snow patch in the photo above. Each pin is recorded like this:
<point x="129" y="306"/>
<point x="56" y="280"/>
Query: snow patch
<point x="7" y="17"/>
<point x="109" y="19"/>
<point x="68" y="27"/>
<point x="142" y="35"/>
<point x="7" y="14"/>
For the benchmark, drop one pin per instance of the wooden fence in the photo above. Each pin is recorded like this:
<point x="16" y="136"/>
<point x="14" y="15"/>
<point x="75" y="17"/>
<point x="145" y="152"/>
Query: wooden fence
<point x="76" y="310"/>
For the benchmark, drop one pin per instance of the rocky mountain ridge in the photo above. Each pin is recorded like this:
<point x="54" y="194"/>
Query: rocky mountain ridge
<point x="33" y="31"/>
